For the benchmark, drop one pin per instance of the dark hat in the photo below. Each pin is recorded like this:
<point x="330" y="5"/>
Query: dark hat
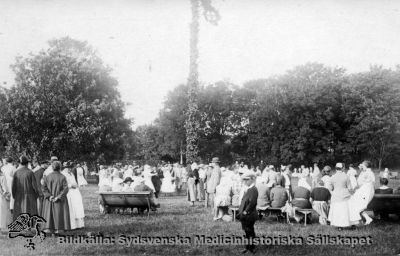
<point x="128" y="179"/>
<point x="215" y="160"/>
<point x="67" y="164"/>
<point x="23" y="160"/>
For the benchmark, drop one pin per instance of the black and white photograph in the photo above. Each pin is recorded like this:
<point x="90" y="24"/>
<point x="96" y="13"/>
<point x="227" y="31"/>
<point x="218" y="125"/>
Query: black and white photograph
<point x="199" y="127"/>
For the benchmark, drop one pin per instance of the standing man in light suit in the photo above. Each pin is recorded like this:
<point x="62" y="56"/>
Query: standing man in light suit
<point x="212" y="180"/>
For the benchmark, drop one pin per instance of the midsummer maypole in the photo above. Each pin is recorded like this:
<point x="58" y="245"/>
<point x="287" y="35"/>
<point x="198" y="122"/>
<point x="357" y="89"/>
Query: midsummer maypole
<point x="192" y="115"/>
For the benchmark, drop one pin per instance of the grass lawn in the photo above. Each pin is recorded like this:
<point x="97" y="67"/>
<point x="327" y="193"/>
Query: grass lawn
<point x="176" y="218"/>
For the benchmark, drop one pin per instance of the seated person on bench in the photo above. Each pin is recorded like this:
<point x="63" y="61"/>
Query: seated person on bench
<point x="127" y="185"/>
<point x="278" y="195"/>
<point x="263" y="200"/>
<point x="383" y="189"/>
<point x="142" y="188"/>
<point x="320" y="197"/>
<point x="301" y="197"/>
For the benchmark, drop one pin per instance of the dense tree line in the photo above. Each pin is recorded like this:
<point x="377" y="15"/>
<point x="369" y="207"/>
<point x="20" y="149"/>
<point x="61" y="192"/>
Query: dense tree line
<point x="65" y="103"/>
<point x="312" y="113"/>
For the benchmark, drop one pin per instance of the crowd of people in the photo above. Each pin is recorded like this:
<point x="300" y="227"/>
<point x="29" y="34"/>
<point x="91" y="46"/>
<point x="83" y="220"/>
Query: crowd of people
<point x="339" y="195"/>
<point x="48" y="189"/>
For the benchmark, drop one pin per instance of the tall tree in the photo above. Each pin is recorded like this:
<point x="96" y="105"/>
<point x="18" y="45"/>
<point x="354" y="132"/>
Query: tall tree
<point x="65" y="102"/>
<point x="192" y="118"/>
<point x="372" y="105"/>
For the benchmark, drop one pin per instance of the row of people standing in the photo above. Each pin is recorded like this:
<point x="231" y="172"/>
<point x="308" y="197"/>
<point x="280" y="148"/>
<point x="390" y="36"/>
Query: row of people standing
<point x="47" y="192"/>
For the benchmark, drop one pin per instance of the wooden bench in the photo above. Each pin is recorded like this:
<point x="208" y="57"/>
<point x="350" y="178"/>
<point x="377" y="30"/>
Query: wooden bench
<point x="234" y="209"/>
<point x="277" y="212"/>
<point x="110" y="200"/>
<point x="267" y="212"/>
<point x="393" y="175"/>
<point x="389" y="203"/>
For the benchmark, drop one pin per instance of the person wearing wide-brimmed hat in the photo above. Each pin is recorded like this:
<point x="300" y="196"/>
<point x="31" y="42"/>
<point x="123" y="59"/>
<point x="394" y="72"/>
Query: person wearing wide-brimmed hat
<point x="24" y="190"/>
<point x="127" y="185"/>
<point x="247" y="213"/>
<point x="212" y="180"/>
<point x="74" y="197"/>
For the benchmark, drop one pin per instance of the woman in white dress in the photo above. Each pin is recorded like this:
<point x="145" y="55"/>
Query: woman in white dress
<point x="363" y="195"/>
<point x="79" y="174"/>
<point x="223" y="198"/>
<point x="352" y="173"/>
<point x="5" y="195"/>
<point x="340" y="194"/>
<point x="168" y="185"/>
<point x="75" y="202"/>
<point x="147" y="174"/>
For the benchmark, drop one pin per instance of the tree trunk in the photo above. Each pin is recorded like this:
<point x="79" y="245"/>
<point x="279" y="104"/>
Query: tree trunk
<point x="192" y="121"/>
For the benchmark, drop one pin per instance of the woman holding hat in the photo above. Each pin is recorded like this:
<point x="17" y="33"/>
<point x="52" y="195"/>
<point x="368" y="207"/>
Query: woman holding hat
<point x="74" y="197"/>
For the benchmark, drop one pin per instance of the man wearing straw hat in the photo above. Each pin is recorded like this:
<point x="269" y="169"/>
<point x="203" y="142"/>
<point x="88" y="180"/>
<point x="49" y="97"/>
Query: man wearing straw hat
<point x="247" y="213"/>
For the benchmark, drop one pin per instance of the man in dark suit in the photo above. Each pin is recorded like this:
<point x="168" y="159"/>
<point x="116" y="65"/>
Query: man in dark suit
<point x="39" y="176"/>
<point x="247" y="213"/>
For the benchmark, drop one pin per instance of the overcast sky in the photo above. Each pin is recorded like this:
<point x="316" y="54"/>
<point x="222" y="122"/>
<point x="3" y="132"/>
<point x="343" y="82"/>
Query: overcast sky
<point x="146" y="42"/>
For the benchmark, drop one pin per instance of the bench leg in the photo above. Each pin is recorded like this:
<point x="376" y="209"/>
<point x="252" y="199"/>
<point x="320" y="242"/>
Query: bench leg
<point x="305" y="218"/>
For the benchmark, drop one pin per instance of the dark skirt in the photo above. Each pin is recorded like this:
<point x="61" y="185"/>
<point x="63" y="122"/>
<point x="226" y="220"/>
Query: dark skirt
<point x="25" y="203"/>
<point x="303" y="204"/>
<point x="56" y="214"/>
